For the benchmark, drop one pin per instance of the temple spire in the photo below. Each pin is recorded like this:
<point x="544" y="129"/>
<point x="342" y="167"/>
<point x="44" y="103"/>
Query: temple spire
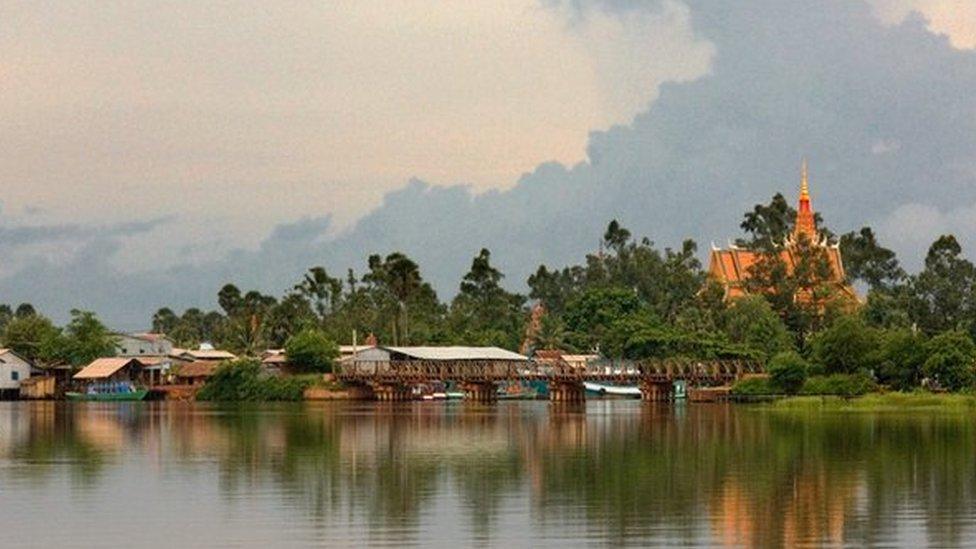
<point x="805" y="223"/>
<point x="804" y="182"/>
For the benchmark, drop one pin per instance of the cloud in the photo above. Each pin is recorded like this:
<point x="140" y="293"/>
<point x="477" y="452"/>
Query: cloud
<point x="883" y="110"/>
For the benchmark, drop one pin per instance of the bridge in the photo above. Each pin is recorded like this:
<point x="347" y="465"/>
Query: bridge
<point x="393" y="379"/>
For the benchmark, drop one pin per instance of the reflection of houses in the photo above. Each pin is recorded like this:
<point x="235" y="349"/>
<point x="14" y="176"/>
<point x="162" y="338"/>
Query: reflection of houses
<point x="143" y="344"/>
<point x="13" y="370"/>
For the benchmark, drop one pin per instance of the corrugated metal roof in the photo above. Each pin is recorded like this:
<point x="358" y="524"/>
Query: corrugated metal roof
<point x="456" y="353"/>
<point x="210" y="354"/>
<point x="104" y="367"/>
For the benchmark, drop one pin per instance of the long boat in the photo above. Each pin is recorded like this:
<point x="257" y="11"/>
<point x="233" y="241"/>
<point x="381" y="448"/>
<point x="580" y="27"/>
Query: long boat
<point x="138" y="394"/>
<point x="612" y="390"/>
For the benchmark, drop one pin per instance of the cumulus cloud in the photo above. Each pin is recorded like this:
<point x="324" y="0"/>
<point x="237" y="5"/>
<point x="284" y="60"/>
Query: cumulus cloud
<point x="883" y="109"/>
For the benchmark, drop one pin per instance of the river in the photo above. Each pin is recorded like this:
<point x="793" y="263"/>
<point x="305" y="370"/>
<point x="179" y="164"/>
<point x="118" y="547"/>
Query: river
<point x="513" y="474"/>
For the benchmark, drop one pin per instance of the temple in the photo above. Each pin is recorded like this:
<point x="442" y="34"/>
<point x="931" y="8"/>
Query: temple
<point x="731" y="266"/>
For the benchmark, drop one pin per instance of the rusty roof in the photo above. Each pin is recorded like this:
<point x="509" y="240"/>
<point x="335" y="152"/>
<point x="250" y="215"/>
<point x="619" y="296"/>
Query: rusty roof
<point x="199" y="368"/>
<point x="104" y="367"/>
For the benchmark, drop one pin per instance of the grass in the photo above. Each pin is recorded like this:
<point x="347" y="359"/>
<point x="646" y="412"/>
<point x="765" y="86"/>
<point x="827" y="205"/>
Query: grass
<point x="880" y="402"/>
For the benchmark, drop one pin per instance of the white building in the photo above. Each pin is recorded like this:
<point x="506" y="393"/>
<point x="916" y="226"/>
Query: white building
<point x="13" y="370"/>
<point x="144" y="344"/>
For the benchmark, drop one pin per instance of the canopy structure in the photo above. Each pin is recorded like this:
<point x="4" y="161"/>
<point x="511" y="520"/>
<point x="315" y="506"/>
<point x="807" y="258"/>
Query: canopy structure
<point x="102" y="368"/>
<point x="456" y="353"/>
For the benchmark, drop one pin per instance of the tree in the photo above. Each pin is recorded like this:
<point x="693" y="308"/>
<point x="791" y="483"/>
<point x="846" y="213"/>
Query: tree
<point x="593" y="316"/>
<point x="85" y="338"/>
<point x="751" y="321"/>
<point x="164" y="321"/>
<point x="868" y="261"/>
<point x="902" y="358"/>
<point x="32" y="337"/>
<point x="847" y="346"/>
<point x="25" y="310"/>
<point x="941" y="297"/>
<point x="230" y="300"/>
<point x="395" y="285"/>
<point x="788" y="372"/>
<point x="311" y="350"/>
<point x="6" y="315"/>
<point x="324" y="291"/>
<point x="485" y="313"/>
<point x="951" y="359"/>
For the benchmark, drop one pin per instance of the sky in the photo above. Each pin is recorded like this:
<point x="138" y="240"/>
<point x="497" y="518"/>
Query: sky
<point x="151" y="152"/>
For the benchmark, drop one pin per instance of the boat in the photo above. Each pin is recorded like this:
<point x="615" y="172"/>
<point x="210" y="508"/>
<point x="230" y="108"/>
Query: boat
<point x="627" y="391"/>
<point x="138" y="394"/>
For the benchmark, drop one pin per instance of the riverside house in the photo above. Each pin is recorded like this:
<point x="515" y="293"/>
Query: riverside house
<point x="13" y="370"/>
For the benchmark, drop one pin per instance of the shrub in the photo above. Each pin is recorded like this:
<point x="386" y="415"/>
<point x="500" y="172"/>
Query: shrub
<point x="311" y="351"/>
<point x="787" y="372"/>
<point x="846" y="347"/>
<point x="244" y="380"/>
<point x="950" y="361"/>
<point x="753" y="386"/>
<point x="839" y="384"/>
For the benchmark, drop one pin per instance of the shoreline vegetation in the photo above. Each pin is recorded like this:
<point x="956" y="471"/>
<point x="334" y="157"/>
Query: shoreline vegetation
<point x="876" y="402"/>
<point x="631" y="300"/>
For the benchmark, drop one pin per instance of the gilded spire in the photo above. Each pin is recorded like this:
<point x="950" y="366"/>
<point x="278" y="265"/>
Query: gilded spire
<point x="805" y="223"/>
<point x="804" y="182"/>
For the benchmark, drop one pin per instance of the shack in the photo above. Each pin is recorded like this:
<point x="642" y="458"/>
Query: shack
<point x="110" y="370"/>
<point x="195" y="373"/>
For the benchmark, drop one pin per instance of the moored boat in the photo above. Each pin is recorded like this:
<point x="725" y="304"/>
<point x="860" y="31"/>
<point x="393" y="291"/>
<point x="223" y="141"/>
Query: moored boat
<point x="625" y="391"/>
<point x="133" y="395"/>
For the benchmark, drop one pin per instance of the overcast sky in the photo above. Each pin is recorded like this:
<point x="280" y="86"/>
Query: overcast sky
<point x="150" y="152"/>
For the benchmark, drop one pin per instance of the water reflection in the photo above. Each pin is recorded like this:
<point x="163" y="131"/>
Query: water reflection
<point x="611" y="472"/>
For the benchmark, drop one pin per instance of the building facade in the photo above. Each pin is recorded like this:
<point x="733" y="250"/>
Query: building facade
<point x="13" y="370"/>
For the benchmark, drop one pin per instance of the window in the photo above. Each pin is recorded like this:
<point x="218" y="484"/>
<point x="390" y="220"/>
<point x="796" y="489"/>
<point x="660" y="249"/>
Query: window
<point x="15" y="375"/>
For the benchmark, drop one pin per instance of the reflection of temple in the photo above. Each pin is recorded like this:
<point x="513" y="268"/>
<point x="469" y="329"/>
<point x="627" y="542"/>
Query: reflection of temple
<point x="732" y="266"/>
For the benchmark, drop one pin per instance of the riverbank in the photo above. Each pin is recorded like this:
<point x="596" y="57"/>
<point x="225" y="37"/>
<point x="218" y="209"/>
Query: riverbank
<point x="879" y="402"/>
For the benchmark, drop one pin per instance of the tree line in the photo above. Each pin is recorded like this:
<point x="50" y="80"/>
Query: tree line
<point x="631" y="300"/>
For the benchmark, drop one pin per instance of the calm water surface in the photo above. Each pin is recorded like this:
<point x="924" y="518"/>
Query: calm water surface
<point x="511" y="475"/>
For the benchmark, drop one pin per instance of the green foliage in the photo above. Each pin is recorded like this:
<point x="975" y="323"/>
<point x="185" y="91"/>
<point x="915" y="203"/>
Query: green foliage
<point x="951" y="360"/>
<point x="839" y="384"/>
<point x="311" y="350"/>
<point x="866" y="260"/>
<point x="787" y="372"/>
<point x="244" y="381"/>
<point x="33" y="337"/>
<point x="84" y="339"/>
<point x="941" y="297"/>
<point x="848" y="346"/>
<point x="484" y="313"/>
<point x="752" y="322"/>
<point x="598" y="314"/>
<point x="903" y="354"/>
<point x="754" y="386"/>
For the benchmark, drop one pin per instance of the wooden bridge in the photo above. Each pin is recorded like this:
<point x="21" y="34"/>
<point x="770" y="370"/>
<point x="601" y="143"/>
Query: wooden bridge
<point x="392" y="380"/>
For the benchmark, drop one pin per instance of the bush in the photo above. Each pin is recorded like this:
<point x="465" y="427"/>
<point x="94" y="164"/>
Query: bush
<point x="950" y="361"/>
<point x="848" y="346"/>
<point x="839" y="384"/>
<point x="751" y="321"/>
<point x="311" y="351"/>
<point x="753" y="386"/>
<point x="787" y="372"/>
<point x="245" y="381"/>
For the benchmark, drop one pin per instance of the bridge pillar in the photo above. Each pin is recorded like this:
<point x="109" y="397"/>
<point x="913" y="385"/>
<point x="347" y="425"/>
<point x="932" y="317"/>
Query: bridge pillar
<point x="657" y="391"/>
<point x="391" y="393"/>
<point x="567" y="391"/>
<point x="480" y="391"/>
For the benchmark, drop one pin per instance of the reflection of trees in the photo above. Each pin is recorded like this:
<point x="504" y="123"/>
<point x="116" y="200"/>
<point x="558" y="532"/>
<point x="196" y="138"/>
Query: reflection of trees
<point x="622" y="472"/>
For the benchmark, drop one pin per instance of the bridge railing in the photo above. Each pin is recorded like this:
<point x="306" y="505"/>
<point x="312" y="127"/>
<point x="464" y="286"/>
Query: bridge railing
<point x="407" y="371"/>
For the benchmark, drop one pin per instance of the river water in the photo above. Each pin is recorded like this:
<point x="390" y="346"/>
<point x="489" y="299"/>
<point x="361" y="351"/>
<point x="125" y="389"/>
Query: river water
<point x="513" y="474"/>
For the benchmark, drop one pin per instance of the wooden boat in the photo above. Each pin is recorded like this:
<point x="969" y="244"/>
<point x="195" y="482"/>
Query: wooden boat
<point x="108" y="397"/>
